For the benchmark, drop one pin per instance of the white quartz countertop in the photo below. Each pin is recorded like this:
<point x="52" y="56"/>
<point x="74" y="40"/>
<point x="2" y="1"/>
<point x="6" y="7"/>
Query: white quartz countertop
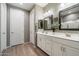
<point x="62" y="35"/>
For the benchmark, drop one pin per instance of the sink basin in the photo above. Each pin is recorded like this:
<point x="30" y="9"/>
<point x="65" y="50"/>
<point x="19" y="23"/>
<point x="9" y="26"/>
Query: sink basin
<point x="68" y="35"/>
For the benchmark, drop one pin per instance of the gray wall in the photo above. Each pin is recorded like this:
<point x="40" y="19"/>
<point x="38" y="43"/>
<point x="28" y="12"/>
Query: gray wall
<point x="8" y="26"/>
<point x="26" y="27"/>
<point x="0" y="27"/>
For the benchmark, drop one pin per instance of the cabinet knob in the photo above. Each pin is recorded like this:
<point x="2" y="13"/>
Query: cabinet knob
<point x="63" y="49"/>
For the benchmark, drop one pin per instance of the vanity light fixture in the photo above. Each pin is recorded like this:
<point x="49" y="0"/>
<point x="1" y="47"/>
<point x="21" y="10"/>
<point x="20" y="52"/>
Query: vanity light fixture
<point x="50" y="12"/>
<point x="62" y="5"/>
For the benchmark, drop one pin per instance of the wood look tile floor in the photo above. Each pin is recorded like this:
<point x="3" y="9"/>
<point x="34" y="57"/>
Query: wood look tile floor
<point x="26" y="49"/>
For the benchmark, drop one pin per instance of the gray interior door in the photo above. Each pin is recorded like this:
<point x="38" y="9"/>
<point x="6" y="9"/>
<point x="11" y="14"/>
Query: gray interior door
<point x="16" y="26"/>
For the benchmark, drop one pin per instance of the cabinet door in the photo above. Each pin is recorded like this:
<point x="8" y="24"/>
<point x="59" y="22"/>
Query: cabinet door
<point x="38" y="41"/>
<point x="68" y="51"/>
<point x="43" y="43"/>
<point x="48" y="46"/>
<point x="56" y="49"/>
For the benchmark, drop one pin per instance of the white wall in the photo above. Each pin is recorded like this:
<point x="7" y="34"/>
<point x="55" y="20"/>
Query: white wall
<point x="39" y="15"/>
<point x="32" y="26"/>
<point x="3" y="25"/>
<point x="35" y="14"/>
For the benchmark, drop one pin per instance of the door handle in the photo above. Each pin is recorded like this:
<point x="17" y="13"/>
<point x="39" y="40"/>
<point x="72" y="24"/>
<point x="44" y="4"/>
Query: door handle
<point x="3" y="33"/>
<point x="63" y="49"/>
<point x="12" y="32"/>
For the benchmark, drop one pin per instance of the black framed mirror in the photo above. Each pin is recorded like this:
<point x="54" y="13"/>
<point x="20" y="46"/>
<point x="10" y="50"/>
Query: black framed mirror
<point x="40" y="24"/>
<point x="48" y="21"/>
<point x="69" y="18"/>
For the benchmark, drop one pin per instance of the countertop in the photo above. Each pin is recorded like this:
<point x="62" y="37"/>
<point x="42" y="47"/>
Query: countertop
<point x="73" y="37"/>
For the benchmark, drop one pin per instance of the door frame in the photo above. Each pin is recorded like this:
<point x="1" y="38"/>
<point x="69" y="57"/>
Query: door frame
<point x="35" y="25"/>
<point x="32" y="10"/>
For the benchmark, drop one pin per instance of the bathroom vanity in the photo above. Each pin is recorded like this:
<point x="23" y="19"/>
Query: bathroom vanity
<point x="58" y="44"/>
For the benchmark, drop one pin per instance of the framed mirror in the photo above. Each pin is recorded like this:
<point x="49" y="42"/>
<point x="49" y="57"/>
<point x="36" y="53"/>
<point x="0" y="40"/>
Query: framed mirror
<point x="48" y="21"/>
<point x="55" y="24"/>
<point x="69" y="18"/>
<point x="40" y="24"/>
<point x="56" y="20"/>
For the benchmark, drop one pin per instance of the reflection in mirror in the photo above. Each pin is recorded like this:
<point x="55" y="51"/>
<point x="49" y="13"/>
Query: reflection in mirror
<point x="70" y="24"/>
<point x="48" y="21"/>
<point x="69" y="21"/>
<point x="40" y="24"/>
<point x="56" y="21"/>
<point x="55" y="25"/>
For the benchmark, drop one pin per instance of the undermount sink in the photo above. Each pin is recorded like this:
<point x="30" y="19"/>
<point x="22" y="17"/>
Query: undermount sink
<point x="62" y="34"/>
<point x="68" y="35"/>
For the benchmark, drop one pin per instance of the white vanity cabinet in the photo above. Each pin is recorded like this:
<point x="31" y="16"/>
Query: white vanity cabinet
<point x="39" y="41"/>
<point x="44" y="43"/>
<point x="69" y="51"/>
<point x="64" y="47"/>
<point x="56" y="49"/>
<point x="48" y="45"/>
<point x="56" y="46"/>
<point x="63" y="50"/>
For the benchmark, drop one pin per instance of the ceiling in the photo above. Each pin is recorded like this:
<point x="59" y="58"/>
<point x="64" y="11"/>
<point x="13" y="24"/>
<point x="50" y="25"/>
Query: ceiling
<point x="42" y="4"/>
<point x="26" y="6"/>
